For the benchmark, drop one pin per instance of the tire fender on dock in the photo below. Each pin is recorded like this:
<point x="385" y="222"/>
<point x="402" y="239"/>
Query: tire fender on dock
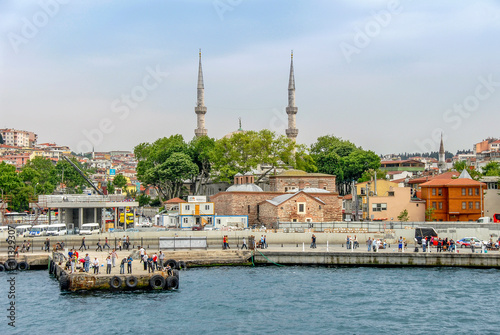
<point x="22" y="266"/>
<point x="175" y="273"/>
<point x="64" y="282"/>
<point x="157" y="282"/>
<point x="10" y="264"/>
<point x="115" y="282"/>
<point x="172" y="283"/>
<point x="181" y="265"/>
<point x="171" y="262"/>
<point x="2" y="268"/>
<point x="131" y="282"/>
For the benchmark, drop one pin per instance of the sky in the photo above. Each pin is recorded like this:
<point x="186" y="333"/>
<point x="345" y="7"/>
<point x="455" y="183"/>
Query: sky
<point x="390" y="76"/>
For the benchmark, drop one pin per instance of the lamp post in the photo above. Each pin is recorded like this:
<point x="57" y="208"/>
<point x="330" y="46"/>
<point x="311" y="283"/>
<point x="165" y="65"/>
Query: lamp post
<point x="368" y="201"/>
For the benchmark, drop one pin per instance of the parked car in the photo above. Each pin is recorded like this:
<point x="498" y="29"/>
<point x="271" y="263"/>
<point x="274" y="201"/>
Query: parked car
<point x="196" y="227"/>
<point x="465" y="242"/>
<point x="209" y="227"/>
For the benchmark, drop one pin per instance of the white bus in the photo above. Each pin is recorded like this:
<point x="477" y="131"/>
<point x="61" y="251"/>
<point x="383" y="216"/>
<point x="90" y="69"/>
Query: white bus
<point x="89" y="229"/>
<point x="39" y="230"/>
<point x="57" y="229"/>
<point x="23" y="230"/>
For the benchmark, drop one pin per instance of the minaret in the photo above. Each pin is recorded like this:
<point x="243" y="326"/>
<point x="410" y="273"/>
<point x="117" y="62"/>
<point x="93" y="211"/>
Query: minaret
<point x="291" y="109"/>
<point x="200" y="108"/>
<point x="442" y="159"/>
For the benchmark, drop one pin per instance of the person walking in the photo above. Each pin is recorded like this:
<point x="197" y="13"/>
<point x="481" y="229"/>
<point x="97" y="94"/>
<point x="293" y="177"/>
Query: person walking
<point x="424" y="244"/>
<point x="369" y="243"/>
<point x="400" y="244"/>
<point x="47" y="245"/>
<point x="141" y="252"/>
<point x="265" y="242"/>
<point x="120" y="244"/>
<point x="149" y="260"/>
<point x="96" y="266"/>
<point x="472" y="246"/>
<point x="99" y="247"/>
<point x="129" y="264"/>
<point x="313" y="242"/>
<point x="114" y="256"/>
<point x="83" y="244"/>
<point x="108" y="265"/>
<point x="155" y="261"/>
<point x="106" y="243"/>
<point x="243" y="243"/>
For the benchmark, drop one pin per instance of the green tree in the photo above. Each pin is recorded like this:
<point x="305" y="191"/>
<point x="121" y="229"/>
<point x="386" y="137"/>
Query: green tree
<point x="370" y="174"/>
<point x="200" y="150"/>
<point x="429" y="214"/>
<point x="165" y="165"/>
<point x="403" y="216"/>
<point x="66" y="174"/>
<point x="243" y="152"/>
<point x="460" y="166"/>
<point x="111" y="188"/>
<point x="342" y="158"/>
<point x="17" y="193"/>
<point x="143" y="200"/>
<point x="492" y="169"/>
<point x="39" y="173"/>
<point x="120" y="181"/>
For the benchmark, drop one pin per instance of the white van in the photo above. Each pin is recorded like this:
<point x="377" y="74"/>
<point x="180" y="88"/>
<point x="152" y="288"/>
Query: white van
<point x="23" y="230"/>
<point x="57" y="229"/>
<point x="90" y="229"/>
<point x="39" y="230"/>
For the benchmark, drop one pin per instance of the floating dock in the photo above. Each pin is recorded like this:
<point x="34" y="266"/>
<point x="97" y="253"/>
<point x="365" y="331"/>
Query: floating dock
<point x="87" y="281"/>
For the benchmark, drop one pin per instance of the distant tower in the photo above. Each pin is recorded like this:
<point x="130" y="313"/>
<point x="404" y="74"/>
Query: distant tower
<point x="442" y="159"/>
<point x="291" y="109"/>
<point x="200" y="108"/>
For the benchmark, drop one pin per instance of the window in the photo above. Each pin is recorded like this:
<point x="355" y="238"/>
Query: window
<point x="248" y="208"/>
<point x="379" y="207"/>
<point x="440" y="205"/>
<point x="464" y="204"/>
<point x="470" y="191"/>
<point x="434" y="204"/>
<point x="433" y="191"/>
<point x="440" y="191"/>
<point x="185" y="220"/>
<point x="477" y="191"/>
<point x="186" y="207"/>
<point x="294" y="220"/>
<point x="477" y="204"/>
<point x="470" y="204"/>
<point x="207" y="207"/>
<point x="463" y="191"/>
<point x="301" y="208"/>
<point x="308" y="220"/>
<point x="218" y="221"/>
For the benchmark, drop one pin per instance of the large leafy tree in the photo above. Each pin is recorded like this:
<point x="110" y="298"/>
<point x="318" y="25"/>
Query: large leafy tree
<point x="245" y="151"/>
<point x="342" y="158"/>
<point x="40" y="174"/>
<point x="66" y="174"/>
<point x="492" y="169"/>
<point x="119" y="181"/>
<point x="165" y="164"/>
<point x="17" y="193"/>
<point x="200" y="150"/>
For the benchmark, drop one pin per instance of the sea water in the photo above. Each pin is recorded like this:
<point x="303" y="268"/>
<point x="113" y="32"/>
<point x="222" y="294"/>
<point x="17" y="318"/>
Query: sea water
<point x="280" y="300"/>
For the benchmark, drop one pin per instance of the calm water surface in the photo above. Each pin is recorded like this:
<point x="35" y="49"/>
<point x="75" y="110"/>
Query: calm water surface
<point x="281" y="300"/>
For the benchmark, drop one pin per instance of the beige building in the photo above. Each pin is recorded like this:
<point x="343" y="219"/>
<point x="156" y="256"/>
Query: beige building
<point x="18" y="138"/>
<point x="390" y="205"/>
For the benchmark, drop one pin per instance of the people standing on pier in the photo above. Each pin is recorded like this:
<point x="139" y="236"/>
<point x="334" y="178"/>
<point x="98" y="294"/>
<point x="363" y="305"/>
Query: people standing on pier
<point x="128" y="242"/>
<point x="96" y="266"/>
<point x="73" y="262"/>
<point x="83" y="244"/>
<point x="155" y="261"/>
<point x="141" y="252"/>
<point x="47" y="244"/>
<point x="16" y="251"/>
<point x="86" y="264"/>
<point x="122" y="266"/>
<point x="472" y="245"/>
<point x="424" y="243"/>
<point x="369" y="243"/>
<point x="440" y="245"/>
<point x="28" y="246"/>
<point x="243" y="243"/>
<point x="106" y="243"/>
<point x="400" y="244"/>
<point x="99" y="247"/>
<point x="161" y="258"/>
<point x="262" y="242"/>
<point x="313" y="241"/>
<point x="145" y="261"/>
<point x="129" y="264"/>
<point x="120" y="244"/>
<point x="150" y="264"/>
<point x="452" y="245"/>
<point x="348" y="242"/>
<point x="23" y="246"/>
<point x="108" y="265"/>
<point x="224" y="242"/>
<point x="114" y="256"/>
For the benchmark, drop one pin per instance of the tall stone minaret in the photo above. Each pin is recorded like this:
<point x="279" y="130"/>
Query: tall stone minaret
<point x="442" y="159"/>
<point x="291" y="109"/>
<point x="200" y="108"/>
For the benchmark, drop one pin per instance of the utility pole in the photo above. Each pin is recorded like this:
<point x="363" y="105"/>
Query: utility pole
<point x="368" y="201"/>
